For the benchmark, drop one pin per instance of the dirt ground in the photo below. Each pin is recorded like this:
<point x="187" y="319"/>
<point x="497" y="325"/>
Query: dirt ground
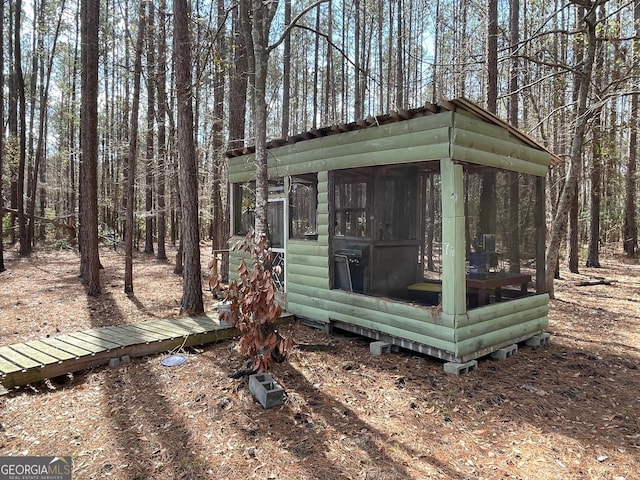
<point x="570" y="410"/>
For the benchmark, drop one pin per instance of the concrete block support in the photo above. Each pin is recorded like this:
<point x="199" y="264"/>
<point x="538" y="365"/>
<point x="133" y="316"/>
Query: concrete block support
<point x="505" y="352"/>
<point x="265" y="389"/>
<point x="539" y="340"/>
<point x="460" y="368"/>
<point x="379" y="347"/>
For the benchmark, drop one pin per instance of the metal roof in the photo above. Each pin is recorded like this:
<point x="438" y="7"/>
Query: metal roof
<point x="428" y="108"/>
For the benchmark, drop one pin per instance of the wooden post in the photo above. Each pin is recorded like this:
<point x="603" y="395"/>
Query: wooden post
<point x="541" y="235"/>
<point x="453" y="244"/>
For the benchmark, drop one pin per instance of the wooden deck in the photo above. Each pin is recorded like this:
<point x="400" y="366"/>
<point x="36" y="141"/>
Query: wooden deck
<point x="36" y="360"/>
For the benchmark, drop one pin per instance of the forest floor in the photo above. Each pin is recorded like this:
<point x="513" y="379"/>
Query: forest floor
<point x="569" y="410"/>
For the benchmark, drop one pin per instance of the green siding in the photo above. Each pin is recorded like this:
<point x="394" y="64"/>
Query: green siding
<point x="500" y="323"/>
<point x="488" y="312"/>
<point x="376" y="314"/>
<point x="432" y="137"/>
<point x="419" y="139"/>
<point x="501" y="337"/>
<point x="505" y="148"/>
<point x="472" y="155"/>
<point x="468" y="121"/>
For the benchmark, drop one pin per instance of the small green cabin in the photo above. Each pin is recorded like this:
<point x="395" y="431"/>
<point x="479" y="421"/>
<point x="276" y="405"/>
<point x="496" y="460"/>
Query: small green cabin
<point x="423" y="228"/>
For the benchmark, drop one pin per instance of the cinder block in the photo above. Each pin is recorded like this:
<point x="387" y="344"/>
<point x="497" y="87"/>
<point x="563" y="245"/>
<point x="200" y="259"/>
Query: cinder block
<point x="539" y="340"/>
<point x="114" y="362"/>
<point x="265" y="389"/>
<point x="125" y="360"/>
<point x="379" y="347"/>
<point x="460" y="368"/>
<point x="505" y="352"/>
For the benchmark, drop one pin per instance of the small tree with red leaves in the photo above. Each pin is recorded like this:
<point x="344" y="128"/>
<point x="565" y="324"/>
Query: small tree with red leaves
<point x="253" y="305"/>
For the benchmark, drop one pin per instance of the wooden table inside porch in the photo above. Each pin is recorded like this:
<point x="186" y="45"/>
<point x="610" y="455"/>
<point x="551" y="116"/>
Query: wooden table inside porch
<point x="495" y="282"/>
<point x="484" y="286"/>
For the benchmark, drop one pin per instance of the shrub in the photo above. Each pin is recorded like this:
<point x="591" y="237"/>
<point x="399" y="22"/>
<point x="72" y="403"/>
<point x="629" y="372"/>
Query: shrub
<point x="253" y="305"/>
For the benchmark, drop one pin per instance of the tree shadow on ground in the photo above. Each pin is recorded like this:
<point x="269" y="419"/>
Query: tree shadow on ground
<point x="332" y="425"/>
<point x="153" y="440"/>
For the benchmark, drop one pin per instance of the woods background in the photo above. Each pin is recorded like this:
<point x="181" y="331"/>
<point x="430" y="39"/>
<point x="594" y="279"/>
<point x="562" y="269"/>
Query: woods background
<point x="566" y="73"/>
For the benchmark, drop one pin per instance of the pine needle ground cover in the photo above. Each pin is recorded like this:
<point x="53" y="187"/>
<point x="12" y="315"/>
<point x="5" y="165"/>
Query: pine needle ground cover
<point x="569" y="410"/>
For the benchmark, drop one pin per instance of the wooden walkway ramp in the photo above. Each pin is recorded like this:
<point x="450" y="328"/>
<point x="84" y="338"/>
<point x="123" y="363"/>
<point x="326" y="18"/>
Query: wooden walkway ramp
<point x="36" y="360"/>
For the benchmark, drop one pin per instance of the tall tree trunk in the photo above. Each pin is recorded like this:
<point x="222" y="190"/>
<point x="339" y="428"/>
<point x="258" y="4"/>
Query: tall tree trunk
<point x="286" y="73"/>
<point x="25" y="246"/>
<point x="514" y="178"/>
<point x="573" y="231"/>
<point x="400" y="39"/>
<point x="133" y="154"/>
<point x="257" y="18"/>
<point x="487" y="213"/>
<point x="73" y="155"/>
<point x="89" y="260"/>
<point x="192" y="301"/>
<point x="2" y="267"/>
<point x="151" y="113"/>
<point x="161" y="80"/>
<point x="593" y="251"/>
<point x="39" y="167"/>
<point x="573" y="228"/>
<point x="436" y="45"/>
<point x="316" y="57"/>
<point x="357" y="100"/>
<point x="575" y="154"/>
<point x="219" y="230"/>
<point x="238" y="83"/>
<point x="630" y="226"/>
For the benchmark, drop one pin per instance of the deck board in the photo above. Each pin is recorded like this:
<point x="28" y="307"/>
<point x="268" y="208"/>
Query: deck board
<point x="65" y="346"/>
<point x="35" y="354"/>
<point x="79" y="344"/>
<point x="144" y="335"/>
<point x="36" y="360"/>
<point x="7" y="367"/>
<point x="101" y="343"/>
<point x="19" y="359"/>
<point x="50" y="350"/>
<point x="113" y="336"/>
<point x="160" y="330"/>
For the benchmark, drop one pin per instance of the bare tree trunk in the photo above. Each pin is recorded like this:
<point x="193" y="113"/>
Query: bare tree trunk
<point x="257" y="17"/>
<point x="400" y="100"/>
<point x="219" y="230"/>
<point x="286" y="73"/>
<point x="593" y="252"/>
<point x="151" y="113"/>
<point x="630" y="226"/>
<point x="575" y="153"/>
<point x="514" y="177"/>
<point x="161" y="79"/>
<point x="436" y="45"/>
<point x="73" y="155"/>
<point x="192" y="301"/>
<point x="89" y="260"/>
<point x="487" y="213"/>
<point x="25" y="246"/>
<point x="573" y="231"/>
<point x="357" y="100"/>
<point x="2" y="267"/>
<point x="316" y="56"/>
<point x="39" y="163"/>
<point x="238" y="84"/>
<point x="133" y="153"/>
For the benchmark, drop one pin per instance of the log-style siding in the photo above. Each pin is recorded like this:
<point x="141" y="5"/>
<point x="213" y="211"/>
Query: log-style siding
<point x="448" y="137"/>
